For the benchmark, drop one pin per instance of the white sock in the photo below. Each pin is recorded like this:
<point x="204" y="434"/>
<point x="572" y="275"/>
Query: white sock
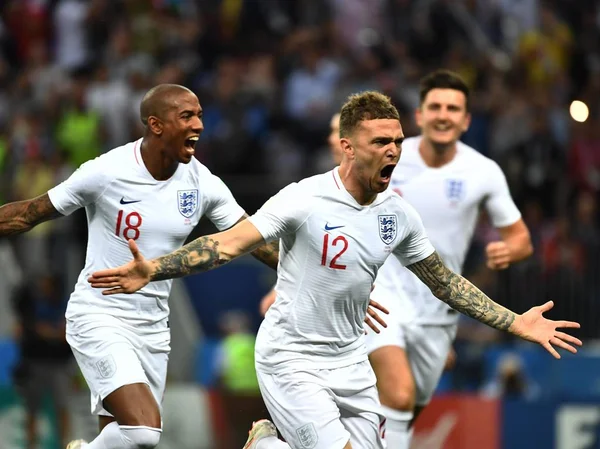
<point x="398" y="432"/>
<point x="272" y="443"/>
<point x="114" y="436"/>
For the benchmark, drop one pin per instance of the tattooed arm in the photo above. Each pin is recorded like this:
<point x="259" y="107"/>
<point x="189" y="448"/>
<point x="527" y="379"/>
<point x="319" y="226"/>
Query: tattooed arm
<point x="460" y="294"/>
<point x="267" y="253"/>
<point x="21" y="216"/>
<point x="202" y="254"/>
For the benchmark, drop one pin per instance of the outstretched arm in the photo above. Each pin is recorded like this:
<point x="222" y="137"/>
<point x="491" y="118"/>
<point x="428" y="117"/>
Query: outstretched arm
<point x="462" y="295"/>
<point x="208" y="252"/>
<point x="202" y="254"/>
<point x="21" y="216"/>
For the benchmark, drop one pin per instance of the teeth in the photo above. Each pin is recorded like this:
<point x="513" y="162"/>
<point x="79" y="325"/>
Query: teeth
<point x="193" y="139"/>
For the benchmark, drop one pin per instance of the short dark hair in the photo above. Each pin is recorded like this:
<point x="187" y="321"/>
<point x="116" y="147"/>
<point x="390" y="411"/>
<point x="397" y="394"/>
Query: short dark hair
<point x="444" y="79"/>
<point x="369" y="105"/>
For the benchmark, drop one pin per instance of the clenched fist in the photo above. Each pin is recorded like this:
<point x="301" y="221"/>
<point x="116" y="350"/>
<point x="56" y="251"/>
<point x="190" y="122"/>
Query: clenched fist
<point x="498" y="255"/>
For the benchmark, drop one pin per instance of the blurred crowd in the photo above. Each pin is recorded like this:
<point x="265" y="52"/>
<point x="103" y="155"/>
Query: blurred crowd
<point x="269" y="75"/>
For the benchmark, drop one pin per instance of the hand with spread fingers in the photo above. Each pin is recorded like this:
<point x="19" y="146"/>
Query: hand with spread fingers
<point x="534" y="327"/>
<point x="127" y="278"/>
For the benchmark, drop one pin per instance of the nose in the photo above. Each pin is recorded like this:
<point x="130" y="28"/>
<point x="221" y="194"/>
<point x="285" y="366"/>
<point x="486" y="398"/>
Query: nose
<point x="442" y="114"/>
<point x="198" y="125"/>
<point x="393" y="151"/>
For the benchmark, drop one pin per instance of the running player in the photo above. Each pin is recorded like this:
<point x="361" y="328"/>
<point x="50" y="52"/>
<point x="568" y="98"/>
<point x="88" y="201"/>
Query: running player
<point x="447" y="182"/>
<point x="151" y="191"/>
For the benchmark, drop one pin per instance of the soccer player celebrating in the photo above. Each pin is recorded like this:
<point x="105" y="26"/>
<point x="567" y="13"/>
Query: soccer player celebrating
<point x="447" y="182"/>
<point x="151" y="191"/>
<point x="336" y="230"/>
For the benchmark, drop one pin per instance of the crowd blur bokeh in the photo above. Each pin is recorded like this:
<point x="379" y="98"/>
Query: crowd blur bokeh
<point x="269" y="75"/>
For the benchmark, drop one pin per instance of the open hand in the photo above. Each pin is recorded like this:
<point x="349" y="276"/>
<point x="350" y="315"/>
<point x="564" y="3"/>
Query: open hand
<point x="534" y="327"/>
<point x="127" y="278"/>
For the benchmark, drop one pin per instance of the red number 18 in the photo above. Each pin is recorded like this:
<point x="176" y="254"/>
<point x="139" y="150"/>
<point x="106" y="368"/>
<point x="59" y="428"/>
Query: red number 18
<point x="132" y="229"/>
<point x="333" y="264"/>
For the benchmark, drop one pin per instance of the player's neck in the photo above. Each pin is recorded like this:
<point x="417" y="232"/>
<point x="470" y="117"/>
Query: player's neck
<point x="354" y="187"/>
<point x="436" y="156"/>
<point x="160" y="167"/>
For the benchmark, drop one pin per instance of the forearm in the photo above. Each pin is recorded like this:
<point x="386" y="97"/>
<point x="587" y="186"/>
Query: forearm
<point x="200" y="255"/>
<point x="13" y="218"/>
<point x="268" y="254"/>
<point x="462" y="295"/>
<point x="520" y="247"/>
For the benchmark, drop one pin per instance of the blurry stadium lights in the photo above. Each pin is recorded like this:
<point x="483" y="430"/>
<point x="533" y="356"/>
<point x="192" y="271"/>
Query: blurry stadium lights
<point x="579" y="111"/>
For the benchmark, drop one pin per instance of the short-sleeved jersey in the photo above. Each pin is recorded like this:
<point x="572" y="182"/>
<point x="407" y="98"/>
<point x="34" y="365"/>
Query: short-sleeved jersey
<point x="123" y="201"/>
<point x="448" y="199"/>
<point x="331" y="249"/>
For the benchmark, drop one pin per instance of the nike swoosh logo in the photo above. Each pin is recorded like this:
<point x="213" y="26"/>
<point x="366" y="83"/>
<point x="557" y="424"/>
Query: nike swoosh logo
<point x="331" y="228"/>
<point x="128" y="202"/>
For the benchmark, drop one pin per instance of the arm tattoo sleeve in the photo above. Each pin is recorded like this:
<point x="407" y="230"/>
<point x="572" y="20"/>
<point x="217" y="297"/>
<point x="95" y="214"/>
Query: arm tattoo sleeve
<point x="199" y="255"/>
<point x="21" y="216"/>
<point x="460" y="294"/>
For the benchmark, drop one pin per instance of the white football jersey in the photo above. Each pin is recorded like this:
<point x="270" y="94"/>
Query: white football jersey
<point x="331" y="249"/>
<point x="448" y="199"/>
<point x="123" y="201"/>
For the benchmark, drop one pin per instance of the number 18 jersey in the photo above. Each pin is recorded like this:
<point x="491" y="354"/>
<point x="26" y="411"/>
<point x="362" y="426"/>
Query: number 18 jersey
<point x="123" y="201"/>
<point x="331" y="249"/>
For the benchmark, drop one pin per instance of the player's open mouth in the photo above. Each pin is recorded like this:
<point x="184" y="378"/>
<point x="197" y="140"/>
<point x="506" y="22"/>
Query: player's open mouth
<point x="386" y="172"/>
<point x="190" y="144"/>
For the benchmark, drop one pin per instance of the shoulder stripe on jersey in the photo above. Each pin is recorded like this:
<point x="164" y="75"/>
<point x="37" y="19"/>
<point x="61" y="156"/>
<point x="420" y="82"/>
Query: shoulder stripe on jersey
<point x="335" y="180"/>
<point x="135" y="152"/>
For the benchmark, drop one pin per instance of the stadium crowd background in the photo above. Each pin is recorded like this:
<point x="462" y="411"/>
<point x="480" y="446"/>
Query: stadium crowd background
<point x="269" y="75"/>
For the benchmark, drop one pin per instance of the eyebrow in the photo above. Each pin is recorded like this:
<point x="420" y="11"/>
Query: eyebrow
<point x="386" y="140"/>
<point x="189" y="111"/>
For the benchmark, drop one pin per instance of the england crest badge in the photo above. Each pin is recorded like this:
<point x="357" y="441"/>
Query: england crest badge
<point x="187" y="201"/>
<point x="106" y="367"/>
<point x="388" y="228"/>
<point x="307" y="436"/>
<point x="455" y="190"/>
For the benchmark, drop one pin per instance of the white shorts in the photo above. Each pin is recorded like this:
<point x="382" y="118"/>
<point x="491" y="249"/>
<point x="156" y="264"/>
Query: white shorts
<point x="111" y="356"/>
<point x="426" y="347"/>
<point x="325" y="408"/>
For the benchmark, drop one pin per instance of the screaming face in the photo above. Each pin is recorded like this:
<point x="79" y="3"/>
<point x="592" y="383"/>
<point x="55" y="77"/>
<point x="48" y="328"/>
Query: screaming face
<point x="375" y="149"/>
<point x="182" y="126"/>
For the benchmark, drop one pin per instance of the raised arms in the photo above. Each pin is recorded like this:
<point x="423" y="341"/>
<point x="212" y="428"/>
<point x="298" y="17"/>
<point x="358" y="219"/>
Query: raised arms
<point x="462" y="295"/>
<point x="21" y="216"/>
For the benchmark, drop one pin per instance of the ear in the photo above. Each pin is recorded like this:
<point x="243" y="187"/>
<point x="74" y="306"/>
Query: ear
<point x="347" y="148"/>
<point x="419" y="117"/>
<point x="467" y="123"/>
<point x="155" y="125"/>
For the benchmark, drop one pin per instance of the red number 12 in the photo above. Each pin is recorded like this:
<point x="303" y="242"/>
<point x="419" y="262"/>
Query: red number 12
<point x="333" y="264"/>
